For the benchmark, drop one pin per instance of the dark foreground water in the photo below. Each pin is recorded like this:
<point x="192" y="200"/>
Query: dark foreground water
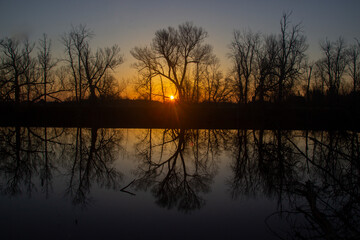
<point x="178" y="184"/>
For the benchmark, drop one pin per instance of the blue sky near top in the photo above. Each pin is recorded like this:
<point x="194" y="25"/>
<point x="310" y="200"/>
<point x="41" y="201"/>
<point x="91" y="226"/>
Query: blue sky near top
<point x="134" y="22"/>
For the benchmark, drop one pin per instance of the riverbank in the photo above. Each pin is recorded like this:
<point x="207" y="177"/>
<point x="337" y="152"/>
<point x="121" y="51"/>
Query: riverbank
<point x="145" y="114"/>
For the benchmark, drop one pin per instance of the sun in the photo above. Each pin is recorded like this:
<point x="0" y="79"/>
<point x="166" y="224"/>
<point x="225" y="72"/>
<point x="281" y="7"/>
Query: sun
<point x="172" y="98"/>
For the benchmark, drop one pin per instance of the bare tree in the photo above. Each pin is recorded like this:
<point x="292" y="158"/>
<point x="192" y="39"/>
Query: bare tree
<point x="354" y="64"/>
<point x="216" y="88"/>
<point x="88" y="68"/>
<point x="333" y="65"/>
<point x="30" y="72"/>
<point x="243" y="52"/>
<point x="172" y="54"/>
<point x="110" y="87"/>
<point x="320" y="77"/>
<point x="265" y="65"/>
<point x="74" y="43"/>
<point x="272" y="66"/>
<point x="292" y="47"/>
<point x="203" y="59"/>
<point x="144" y="84"/>
<point x="307" y="77"/>
<point x="16" y="64"/>
<point x="46" y="64"/>
<point x="96" y="65"/>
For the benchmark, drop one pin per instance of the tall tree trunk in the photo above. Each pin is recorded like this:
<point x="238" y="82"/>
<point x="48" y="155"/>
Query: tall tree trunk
<point x="92" y="93"/>
<point x="17" y="89"/>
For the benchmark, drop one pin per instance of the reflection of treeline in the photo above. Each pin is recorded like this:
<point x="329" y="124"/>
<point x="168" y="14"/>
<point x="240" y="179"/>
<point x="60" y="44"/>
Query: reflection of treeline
<point x="31" y="157"/>
<point x="271" y="67"/>
<point x="314" y="176"/>
<point x="178" y="165"/>
<point x="27" y="155"/>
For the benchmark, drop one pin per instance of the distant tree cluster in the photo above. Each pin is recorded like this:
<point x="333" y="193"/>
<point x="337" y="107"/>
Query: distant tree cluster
<point x="268" y="65"/>
<point x="275" y="67"/>
<point x="26" y="76"/>
<point x="269" y="68"/>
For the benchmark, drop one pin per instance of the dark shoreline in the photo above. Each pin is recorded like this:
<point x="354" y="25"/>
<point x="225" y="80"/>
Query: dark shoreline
<point x="144" y="114"/>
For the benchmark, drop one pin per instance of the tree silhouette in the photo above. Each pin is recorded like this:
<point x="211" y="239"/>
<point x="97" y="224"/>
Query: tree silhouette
<point x="332" y="65"/>
<point x="214" y="87"/>
<point x="265" y="77"/>
<point x="89" y="69"/>
<point x="354" y="65"/>
<point x="292" y="47"/>
<point x="172" y="54"/>
<point x="16" y="69"/>
<point x="46" y="65"/>
<point x="272" y="66"/>
<point x="244" y="48"/>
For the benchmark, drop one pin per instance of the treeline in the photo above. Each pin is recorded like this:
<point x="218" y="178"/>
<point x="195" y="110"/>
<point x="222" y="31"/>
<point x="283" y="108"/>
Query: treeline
<point x="276" y="67"/>
<point x="271" y="68"/>
<point x="29" y="76"/>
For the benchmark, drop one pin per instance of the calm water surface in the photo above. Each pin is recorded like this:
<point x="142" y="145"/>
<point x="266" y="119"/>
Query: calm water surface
<point x="178" y="184"/>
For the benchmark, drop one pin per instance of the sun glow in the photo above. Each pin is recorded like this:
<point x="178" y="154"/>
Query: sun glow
<point x="172" y="98"/>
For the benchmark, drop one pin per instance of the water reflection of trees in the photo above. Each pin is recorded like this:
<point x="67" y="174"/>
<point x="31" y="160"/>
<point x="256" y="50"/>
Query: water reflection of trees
<point x="263" y="163"/>
<point x="31" y="156"/>
<point x="90" y="160"/>
<point x="315" y="177"/>
<point x="178" y="165"/>
<point x="329" y="199"/>
<point x="27" y="153"/>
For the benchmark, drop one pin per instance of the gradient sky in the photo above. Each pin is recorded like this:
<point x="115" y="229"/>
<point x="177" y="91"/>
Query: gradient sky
<point x="134" y="22"/>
